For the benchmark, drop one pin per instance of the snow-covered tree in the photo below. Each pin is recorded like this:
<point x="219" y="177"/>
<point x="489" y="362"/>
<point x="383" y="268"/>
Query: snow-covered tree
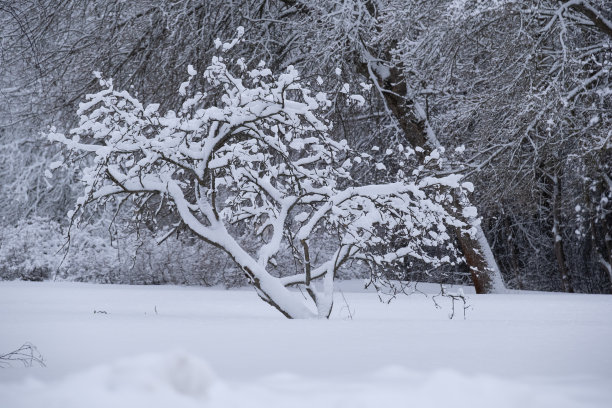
<point x="526" y="87"/>
<point x="253" y="148"/>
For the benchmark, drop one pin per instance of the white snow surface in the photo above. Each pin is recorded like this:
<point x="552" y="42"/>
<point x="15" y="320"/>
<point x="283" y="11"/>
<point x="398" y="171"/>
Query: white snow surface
<point x="170" y="346"/>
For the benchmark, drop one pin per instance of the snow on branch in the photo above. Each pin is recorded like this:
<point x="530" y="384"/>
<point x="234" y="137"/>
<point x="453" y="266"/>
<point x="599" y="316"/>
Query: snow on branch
<point x="251" y="147"/>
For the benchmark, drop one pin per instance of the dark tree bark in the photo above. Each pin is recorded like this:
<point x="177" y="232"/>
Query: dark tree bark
<point x="414" y="129"/>
<point x="558" y="240"/>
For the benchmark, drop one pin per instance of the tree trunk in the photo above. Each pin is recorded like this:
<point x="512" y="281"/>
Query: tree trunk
<point x="412" y="120"/>
<point x="558" y="241"/>
<point x="601" y="229"/>
<point x="514" y="252"/>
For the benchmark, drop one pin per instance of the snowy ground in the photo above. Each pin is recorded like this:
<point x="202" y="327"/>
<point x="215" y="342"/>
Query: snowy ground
<point x="180" y="347"/>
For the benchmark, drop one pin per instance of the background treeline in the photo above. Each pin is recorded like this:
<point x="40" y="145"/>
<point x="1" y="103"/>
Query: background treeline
<point x="517" y="93"/>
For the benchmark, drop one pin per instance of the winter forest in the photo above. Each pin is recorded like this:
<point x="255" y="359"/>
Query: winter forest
<point x="367" y="162"/>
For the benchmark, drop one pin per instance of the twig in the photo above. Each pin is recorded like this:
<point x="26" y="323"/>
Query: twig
<point x="27" y="355"/>
<point x="348" y="308"/>
<point x="459" y="296"/>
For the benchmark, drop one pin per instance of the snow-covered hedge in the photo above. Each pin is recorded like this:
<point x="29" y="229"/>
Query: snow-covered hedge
<point x="36" y="249"/>
<point x="30" y="249"/>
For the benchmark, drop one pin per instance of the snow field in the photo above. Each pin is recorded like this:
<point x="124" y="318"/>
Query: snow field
<point x="522" y="349"/>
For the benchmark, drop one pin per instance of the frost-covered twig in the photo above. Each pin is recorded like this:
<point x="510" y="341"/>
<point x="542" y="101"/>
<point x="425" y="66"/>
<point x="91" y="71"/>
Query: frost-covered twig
<point x="458" y="296"/>
<point x="27" y="354"/>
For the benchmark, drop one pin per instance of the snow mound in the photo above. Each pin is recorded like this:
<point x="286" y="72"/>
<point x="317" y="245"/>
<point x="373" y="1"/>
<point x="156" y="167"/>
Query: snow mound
<point x="179" y="380"/>
<point x="157" y="380"/>
<point x="176" y="372"/>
